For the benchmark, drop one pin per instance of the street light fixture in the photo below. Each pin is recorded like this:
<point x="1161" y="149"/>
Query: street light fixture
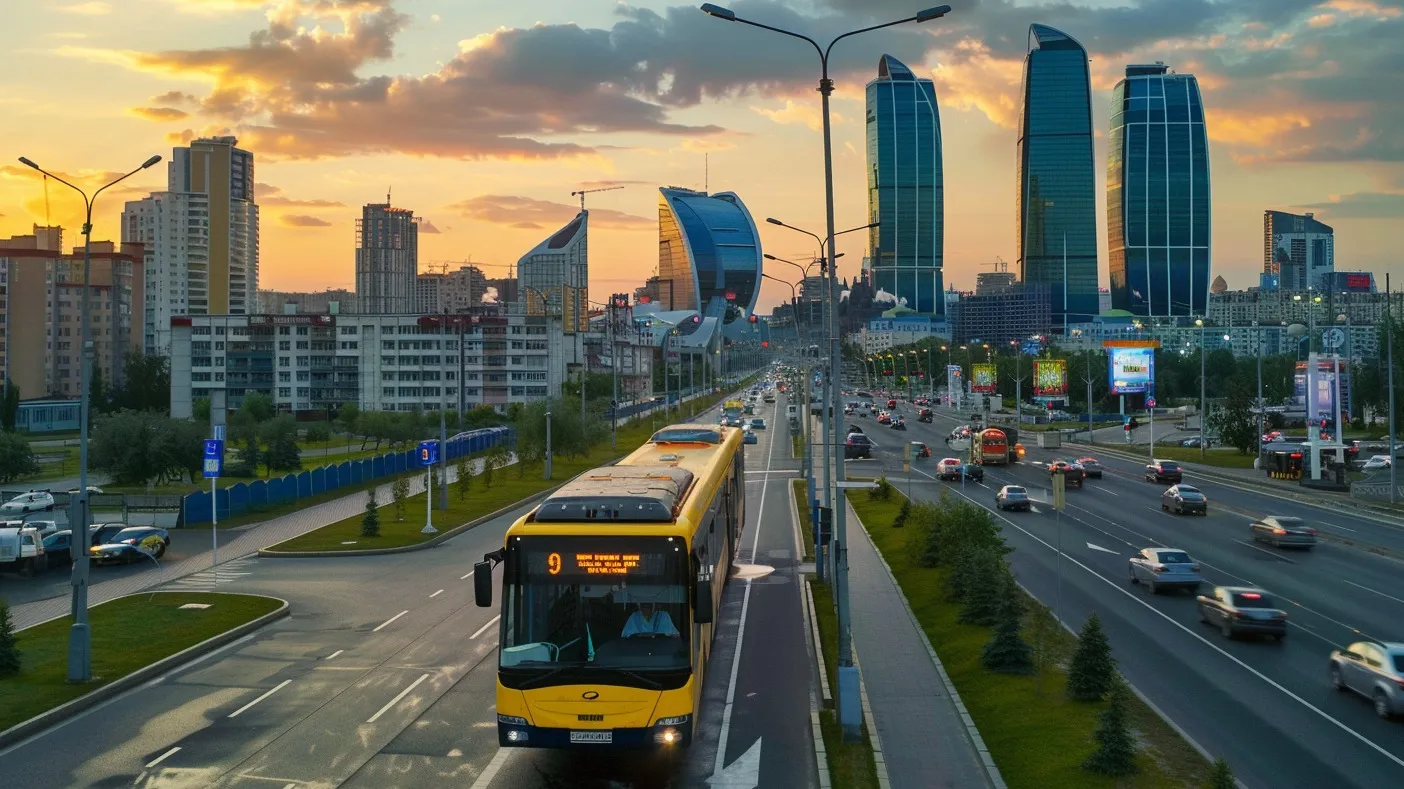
<point x="80" y="657"/>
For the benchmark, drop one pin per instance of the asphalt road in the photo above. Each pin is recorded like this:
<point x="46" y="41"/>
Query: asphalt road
<point x="384" y="676"/>
<point x="54" y="582"/>
<point x="1268" y="708"/>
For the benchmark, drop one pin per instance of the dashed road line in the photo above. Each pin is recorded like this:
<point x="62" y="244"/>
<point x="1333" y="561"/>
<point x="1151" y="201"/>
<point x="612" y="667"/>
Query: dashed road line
<point x="162" y="757"/>
<point x="270" y="692"/>
<point x="396" y="700"/>
<point x="480" y="630"/>
<point x="388" y="621"/>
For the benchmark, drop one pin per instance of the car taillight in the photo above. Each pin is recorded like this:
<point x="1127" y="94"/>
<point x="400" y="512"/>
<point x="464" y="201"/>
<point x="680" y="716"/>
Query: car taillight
<point x="1279" y="531"/>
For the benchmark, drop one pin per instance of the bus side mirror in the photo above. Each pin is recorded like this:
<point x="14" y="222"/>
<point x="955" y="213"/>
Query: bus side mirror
<point x="482" y="584"/>
<point x="702" y="601"/>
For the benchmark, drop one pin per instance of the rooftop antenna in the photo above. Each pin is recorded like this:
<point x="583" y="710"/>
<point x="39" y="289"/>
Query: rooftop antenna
<point x="582" y="192"/>
<point x="387" y="196"/>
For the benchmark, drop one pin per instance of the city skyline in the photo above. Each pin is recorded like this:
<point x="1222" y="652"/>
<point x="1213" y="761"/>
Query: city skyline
<point x="1294" y="142"/>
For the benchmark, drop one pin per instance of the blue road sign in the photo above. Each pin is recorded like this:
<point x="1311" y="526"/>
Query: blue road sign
<point x="214" y="457"/>
<point x="428" y="453"/>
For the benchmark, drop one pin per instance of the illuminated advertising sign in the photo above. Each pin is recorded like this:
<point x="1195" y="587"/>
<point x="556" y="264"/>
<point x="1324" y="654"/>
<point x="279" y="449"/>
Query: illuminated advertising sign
<point x="1050" y="377"/>
<point x="984" y="378"/>
<point x="1324" y="402"/>
<point x="1131" y="370"/>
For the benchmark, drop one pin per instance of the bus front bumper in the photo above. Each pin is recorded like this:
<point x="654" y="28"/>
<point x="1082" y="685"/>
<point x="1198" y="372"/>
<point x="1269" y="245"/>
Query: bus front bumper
<point x="517" y="733"/>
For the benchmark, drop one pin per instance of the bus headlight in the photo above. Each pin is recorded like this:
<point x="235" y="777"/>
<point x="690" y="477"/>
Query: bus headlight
<point x="667" y="737"/>
<point x="511" y="720"/>
<point x="674" y="721"/>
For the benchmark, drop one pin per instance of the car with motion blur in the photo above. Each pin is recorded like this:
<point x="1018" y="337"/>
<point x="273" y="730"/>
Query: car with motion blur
<point x="925" y="415"/>
<point x="1164" y="568"/>
<point x="1072" y="473"/>
<point x="1375" y="670"/>
<point x="898" y="424"/>
<point x="57" y="546"/>
<point x="749" y="408"/>
<point x="748" y="436"/>
<point x="971" y="471"/>
<point x="1238" y="610"/>
<point x="1091" y="467"/>
<point x="1013" y="497"/>
<point x="853" y="429"/>
<point x="948" y="468"/>
<point x="891" y="402"/>
<point x="856" y="446"/>
<point x="769" y="397"/>
<point x="884" y="418"/>
<point x="1182" y="498"/>
<point x="1376" y="463"/>
<point x="1164" y="471"/>
<point x="91" y="489"/>
<point x="1281" y="531"/>
<point x="758" y="423"/>
<point x="922" y="401"/>
<point x="920" y="450"/>
<point x="130" y="545"/>
<point x="25" y="503"/>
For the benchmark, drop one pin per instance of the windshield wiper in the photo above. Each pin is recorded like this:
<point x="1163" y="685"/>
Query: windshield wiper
<point x="539" y="678"/>
<point x="636" y="676"/>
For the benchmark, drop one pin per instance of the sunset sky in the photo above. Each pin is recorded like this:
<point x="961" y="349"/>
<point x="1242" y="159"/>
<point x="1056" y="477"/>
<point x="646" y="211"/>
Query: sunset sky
<point x="483" y="116"/>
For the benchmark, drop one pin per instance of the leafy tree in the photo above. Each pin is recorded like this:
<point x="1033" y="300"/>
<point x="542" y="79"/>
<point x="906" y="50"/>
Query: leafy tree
<point x="570" y="437"/>
<point x="883" y="491"/>
<point x="1235" y="421"/>
<point x="137" y="447"/>
<point x="200" y="410"/>
<point x="1221" y="776"/>
<point x="400" y="491"/>
<point x="348" y="416"/>
<point x="370" y="522"/>
<point x="1093" y="669"/>
<point x="465" y="477"/>
<point x="16" y="458"/>
<point x="903" y="514"/>
<point x="9" y="406"/>
<point x="9" y="649"/>
<point x="318" y="431"/>
<point x="280" y="436"/>
<point x="1008" y="652"/>
<point x="146" y="383"/>
<point x="1116" y="750"/>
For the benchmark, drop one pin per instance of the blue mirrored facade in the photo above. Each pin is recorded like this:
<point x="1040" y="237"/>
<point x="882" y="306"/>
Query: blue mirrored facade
<point x="707" y="247"/>
<point x="1158" y="194"/>
<point x="1057" y="207"/>
<point x="905" y="188"/>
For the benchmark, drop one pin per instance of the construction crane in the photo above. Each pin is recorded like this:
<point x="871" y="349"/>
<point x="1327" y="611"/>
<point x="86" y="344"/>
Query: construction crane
<point x="581" y="193"/>
<point x="999" y="264"/>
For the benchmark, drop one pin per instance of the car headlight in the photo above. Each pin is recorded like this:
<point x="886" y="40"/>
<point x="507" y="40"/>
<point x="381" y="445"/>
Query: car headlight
<point x="676" y="720"/>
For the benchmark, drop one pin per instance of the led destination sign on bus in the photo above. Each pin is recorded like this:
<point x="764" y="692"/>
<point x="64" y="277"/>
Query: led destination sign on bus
<point x="575" y="566"/>
<point x="596" y="563"/>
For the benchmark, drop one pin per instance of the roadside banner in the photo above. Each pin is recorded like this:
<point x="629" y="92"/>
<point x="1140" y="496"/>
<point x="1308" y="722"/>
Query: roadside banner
<point x="984" y="378"/>
<point x="1050" y="377"/>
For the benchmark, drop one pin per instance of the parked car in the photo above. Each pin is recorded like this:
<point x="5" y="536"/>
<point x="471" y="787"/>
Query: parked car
<point x="1091" y="467"/>
<point x="948" y="468"/>
<point x="1242" y="609"/>
<point x="57" y="547"/>
<point x="1164" y="568"/>
<point x="857" y="446"/>
<point x="130" y="544"/>
<point x="1013" y="497"/>
<point x="1373" y="669"/>
<point x="1279" y="531"/>
<point x="100" y="533"/>
<point x="971" y="471"/>
<point x="33" y="501"/>
<point x="1073" y="474"/>
<point x="45" y="527"/>
<point x="1183" y="498"/>
<point x="758" y="424"/>
<point x="1164" y="471"/>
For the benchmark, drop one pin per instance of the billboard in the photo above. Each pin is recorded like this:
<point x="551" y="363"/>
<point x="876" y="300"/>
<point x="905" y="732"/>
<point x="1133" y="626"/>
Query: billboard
<point x="1050" y="377"/>
<point x="1131" y="370"/>
<point x="1323" y="404"/>
<point x="983" y="378"/>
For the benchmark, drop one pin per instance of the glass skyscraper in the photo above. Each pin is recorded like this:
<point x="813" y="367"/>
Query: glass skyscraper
<point x="709" y="253"/>
<point x="1057" y="221"/>
<point x="905" y="194"/>
<point x="1158" y="194"/>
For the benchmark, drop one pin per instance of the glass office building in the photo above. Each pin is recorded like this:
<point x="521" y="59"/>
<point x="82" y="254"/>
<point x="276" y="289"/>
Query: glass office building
<point x="905" y="194"/>
<point x="1158" y="194"/>
<point x="1057" y="206"/>
<point x="709" y="253"/>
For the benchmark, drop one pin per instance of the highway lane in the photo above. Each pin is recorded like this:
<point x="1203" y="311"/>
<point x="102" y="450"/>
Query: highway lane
<point x="1249" y="700"/>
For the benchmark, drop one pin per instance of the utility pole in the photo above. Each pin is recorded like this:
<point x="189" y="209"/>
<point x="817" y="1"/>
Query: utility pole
<point x="1389" y="322"/>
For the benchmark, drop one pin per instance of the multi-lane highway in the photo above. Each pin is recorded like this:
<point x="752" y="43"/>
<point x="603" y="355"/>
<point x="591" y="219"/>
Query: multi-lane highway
<point x="384" y="676"/>
<point x="1267" y="707"/>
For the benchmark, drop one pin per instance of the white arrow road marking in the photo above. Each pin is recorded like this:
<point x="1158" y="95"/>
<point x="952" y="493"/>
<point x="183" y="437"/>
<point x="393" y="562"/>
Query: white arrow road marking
<point x="744" y="773"/>
<point x="1100" y="548"/>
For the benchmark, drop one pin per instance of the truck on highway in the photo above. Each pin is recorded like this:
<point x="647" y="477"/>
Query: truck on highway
<point x="21" y="549"/>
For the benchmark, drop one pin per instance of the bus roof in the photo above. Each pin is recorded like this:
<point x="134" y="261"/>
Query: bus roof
<point x="630" y="494"/>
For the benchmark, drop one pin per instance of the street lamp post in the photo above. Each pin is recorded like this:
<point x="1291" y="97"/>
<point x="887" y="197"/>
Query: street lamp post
<point x="80" y="657"/>
<point x="848" y="697"/>
<point x="1202" y="412"/>
<point x="1018" y="385"/>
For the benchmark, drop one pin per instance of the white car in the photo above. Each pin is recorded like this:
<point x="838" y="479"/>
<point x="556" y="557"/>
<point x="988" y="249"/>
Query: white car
<point x="28" y="502"/>
<point x="1375" y="463"/>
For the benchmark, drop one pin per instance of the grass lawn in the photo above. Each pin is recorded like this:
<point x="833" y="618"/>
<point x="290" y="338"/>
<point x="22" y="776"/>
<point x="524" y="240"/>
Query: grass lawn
<point x="1080" y="426"/>
<point x="1037" y="736"/>
<point x="851" y="764"/>
<point x="800" y="488"/>
<point x="128" y="633"/>
<point x="1214" y="456"/>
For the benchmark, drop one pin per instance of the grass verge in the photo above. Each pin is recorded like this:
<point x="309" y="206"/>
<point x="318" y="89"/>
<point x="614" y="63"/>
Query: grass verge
<point x="851" y="764"/>
<point x="1036" y="735"/>
<point x="128" y="634"/>
<point x="1219" y="457"/>
<point x="800" y="488"/>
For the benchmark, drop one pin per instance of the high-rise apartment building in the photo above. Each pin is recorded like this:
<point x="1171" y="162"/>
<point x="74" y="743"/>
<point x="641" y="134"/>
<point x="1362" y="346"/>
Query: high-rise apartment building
<point x="1158" y="194"/>
<point x="1299" y="250"/>
<point x="1057" y="204"/>
<point x="429" y="294"/>
<point x="200" y="237"/>
<point x="905" y="188"/>
<point x="554" y="277"/>
<point x="464" y="289"/>
<point x="387" y="259"/>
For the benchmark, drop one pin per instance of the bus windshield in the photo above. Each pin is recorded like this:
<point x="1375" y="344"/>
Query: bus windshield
<point x="595" y="603"/>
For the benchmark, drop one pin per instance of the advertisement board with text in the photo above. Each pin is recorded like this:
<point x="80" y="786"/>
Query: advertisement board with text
<point x="1131" y="370"/>
<point x="1050" y="377"/>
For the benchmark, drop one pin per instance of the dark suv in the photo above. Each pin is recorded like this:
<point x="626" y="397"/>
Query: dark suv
<point x="857" y="446"/>
<point x="1163" y="471"/>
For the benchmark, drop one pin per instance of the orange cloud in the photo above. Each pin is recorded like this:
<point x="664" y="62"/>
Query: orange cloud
<point x="302" y="220"/>
<point x="805" y="112"/>
<point x="159" y="113"/>
<point x="527" y="213"/>
<point x="268" y="195"/>
<point x="1251" y="127"/>
<point x="91" y="8"/>
<point x="1364" y="8"/>
<point x="1322" y="20"/>
<point x="976" y="80"/>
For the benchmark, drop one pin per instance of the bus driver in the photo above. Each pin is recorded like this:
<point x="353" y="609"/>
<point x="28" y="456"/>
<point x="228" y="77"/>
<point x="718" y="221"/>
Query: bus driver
<point x="648" y="621"/>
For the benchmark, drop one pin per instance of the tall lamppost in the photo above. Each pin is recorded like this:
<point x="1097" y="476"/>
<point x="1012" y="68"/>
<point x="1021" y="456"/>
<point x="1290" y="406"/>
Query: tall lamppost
<point x="1202" y="415"/>
<point x="80" y="656"/>
<point x="1018" y="384"/>
<point x="848" y="697"/>
<point x="915" y="359"/>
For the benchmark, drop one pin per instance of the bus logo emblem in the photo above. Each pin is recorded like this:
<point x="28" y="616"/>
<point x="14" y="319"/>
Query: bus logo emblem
<point x="589" y="695"/>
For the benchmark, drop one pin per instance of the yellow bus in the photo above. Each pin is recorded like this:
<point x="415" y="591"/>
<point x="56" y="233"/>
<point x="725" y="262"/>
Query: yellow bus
<point x="609" y="590"/>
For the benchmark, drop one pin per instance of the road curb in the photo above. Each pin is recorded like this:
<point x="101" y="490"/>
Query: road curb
<point x="991" y="769"/>
<point x="874" y="739"/>
<point x="45" y="720"/>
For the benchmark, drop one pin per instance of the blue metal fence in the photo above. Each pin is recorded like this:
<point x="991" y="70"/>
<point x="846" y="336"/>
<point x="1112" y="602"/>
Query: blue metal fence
<point x="260" y="494"/>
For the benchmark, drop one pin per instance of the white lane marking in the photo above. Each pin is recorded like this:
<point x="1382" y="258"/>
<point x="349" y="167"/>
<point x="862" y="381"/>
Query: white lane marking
<point x="741" y="629"/>
<point x="162" y="757"/>
<point x="1105" y="490"/>
<point x="245" y="708"/>
<point x="1207" y="643"/>
<point x="334" y="654"/>
<point x="485" y="627"/>
<point x="466" y="577"/>
<point x="1103" y="550"/>
<point x="1266" y="551"/>
<point x="436" y="594"/>
<point x="396" y="700"/>
<point x="388" y="621"/>
<point x="490" y="772"/>
<point x="1337" y="526"/>
<point x="1368" y="589"/>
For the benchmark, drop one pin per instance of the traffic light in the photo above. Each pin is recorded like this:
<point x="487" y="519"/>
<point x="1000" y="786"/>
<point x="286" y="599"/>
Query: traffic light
<point x="765" y="343"/>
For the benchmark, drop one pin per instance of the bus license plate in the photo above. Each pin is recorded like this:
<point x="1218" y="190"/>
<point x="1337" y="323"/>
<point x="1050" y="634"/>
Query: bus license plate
<point x="598" y="737"/>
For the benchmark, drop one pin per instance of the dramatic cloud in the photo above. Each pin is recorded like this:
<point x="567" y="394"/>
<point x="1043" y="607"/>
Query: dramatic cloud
<point x="302" y="220"/>
<point x="805" y="112"/>
<point x="428" y="227"/>
<point x="531" y="214"/>
<point x="175" y="98"/>
<point x="92" y="8"/>
<point x="159" y="113"/>
<point x="268" y="195"/>
<point x="1361" y="205"/>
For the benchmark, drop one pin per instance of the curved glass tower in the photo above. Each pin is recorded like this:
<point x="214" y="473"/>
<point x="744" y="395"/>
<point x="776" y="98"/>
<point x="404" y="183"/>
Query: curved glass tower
<point x="905" y="194"/>
<point x="708" y="249"/>
<point x="1057" y="206"/>
<point x="1158" y="194"/>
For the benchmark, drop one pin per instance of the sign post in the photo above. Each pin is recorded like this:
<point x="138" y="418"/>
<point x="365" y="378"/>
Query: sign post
<point x="214" y="465"/>
<point x="428" y="456"/>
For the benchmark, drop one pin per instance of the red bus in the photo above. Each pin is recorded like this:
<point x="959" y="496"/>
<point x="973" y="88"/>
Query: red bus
<point x="991" y="447"/>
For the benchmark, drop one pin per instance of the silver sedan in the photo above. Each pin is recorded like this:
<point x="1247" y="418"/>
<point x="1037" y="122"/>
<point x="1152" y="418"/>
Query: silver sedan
<point x="1164" y="568"/>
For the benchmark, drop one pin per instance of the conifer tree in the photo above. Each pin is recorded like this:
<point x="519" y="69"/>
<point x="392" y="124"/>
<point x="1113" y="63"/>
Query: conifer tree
<point x="1116" y="750"/>
<point x="1220" y="776"/>
<point x="370" y="524"/>
<point x="1008" y="652"/>
<point x="1093" y="669"/>
<point x="9" y="649"/>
